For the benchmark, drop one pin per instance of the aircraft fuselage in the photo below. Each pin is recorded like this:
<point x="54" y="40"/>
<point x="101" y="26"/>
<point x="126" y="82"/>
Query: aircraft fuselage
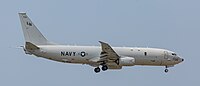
<point x="84" y="54"/>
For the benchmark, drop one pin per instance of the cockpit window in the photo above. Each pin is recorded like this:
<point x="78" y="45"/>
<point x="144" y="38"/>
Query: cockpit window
<point x="174" y="54"/>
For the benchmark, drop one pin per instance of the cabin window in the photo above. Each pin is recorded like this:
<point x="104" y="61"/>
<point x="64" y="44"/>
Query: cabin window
<point x="145" y="53"/>
<point x="131" y="49"/>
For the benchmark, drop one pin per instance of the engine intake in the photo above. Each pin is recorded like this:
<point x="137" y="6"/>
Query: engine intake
<point x="126" y="61"/>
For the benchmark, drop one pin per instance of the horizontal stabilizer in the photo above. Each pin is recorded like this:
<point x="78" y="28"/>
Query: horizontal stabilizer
<point x="30" y="46"/>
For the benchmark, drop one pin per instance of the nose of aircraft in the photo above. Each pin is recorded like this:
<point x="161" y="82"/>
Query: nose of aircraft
<point x="181" y="59"/>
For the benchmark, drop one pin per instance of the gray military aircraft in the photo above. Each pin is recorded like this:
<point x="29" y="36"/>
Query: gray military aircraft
<point x="103" y="56"/>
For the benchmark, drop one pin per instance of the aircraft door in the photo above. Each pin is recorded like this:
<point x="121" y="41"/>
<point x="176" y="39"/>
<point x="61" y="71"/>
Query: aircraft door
<point x="165" y="59"/>
<point x="165" y="55"/>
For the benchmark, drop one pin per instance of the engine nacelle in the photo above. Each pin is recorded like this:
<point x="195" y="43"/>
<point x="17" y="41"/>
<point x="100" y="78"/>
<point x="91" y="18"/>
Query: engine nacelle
<point x="126" y="61"/>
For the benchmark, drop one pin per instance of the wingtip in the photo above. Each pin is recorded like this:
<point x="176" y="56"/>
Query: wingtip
<point x="102" y="42"/>
<point x="22" y="13"/>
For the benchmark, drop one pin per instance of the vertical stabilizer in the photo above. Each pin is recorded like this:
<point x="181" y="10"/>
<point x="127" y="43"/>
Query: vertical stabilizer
<point x="31" y="33"/>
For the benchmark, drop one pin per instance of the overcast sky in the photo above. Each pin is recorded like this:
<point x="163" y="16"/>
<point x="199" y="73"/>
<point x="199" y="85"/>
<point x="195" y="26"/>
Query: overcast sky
<point x="168" y="24"/>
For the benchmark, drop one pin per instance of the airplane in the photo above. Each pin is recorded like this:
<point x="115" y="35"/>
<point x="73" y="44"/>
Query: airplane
<point x="101" y="57"/>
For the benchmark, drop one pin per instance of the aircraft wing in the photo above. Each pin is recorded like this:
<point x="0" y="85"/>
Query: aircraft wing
<point x="108" y="54"/>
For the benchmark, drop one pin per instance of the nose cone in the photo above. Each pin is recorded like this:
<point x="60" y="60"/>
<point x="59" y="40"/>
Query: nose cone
<point x="181" y="59"/>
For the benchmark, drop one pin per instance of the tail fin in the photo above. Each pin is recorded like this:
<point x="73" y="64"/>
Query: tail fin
<point x="31" y="33"/>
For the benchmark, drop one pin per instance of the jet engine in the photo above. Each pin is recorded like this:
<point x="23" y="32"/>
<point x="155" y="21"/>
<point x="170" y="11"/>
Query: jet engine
<point x="126" y="61"/>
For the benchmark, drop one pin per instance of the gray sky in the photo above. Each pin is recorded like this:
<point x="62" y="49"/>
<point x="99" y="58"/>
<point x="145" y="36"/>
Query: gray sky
<point x="169" y="24"/>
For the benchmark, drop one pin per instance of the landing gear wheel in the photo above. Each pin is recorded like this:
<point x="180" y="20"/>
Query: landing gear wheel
<point x="104" y="68"/>
<point x="166" y="70"/>
<point x="97" y="69"/>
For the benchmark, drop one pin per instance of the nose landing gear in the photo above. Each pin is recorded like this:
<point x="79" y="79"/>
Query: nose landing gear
<point x="166" y="70"/>
<point x="167" y="66"/>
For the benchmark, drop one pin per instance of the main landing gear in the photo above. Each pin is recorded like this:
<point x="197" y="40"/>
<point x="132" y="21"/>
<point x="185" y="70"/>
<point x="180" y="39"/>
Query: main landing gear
<point x="104" y="68"/>
<point x="97" y="69"/>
